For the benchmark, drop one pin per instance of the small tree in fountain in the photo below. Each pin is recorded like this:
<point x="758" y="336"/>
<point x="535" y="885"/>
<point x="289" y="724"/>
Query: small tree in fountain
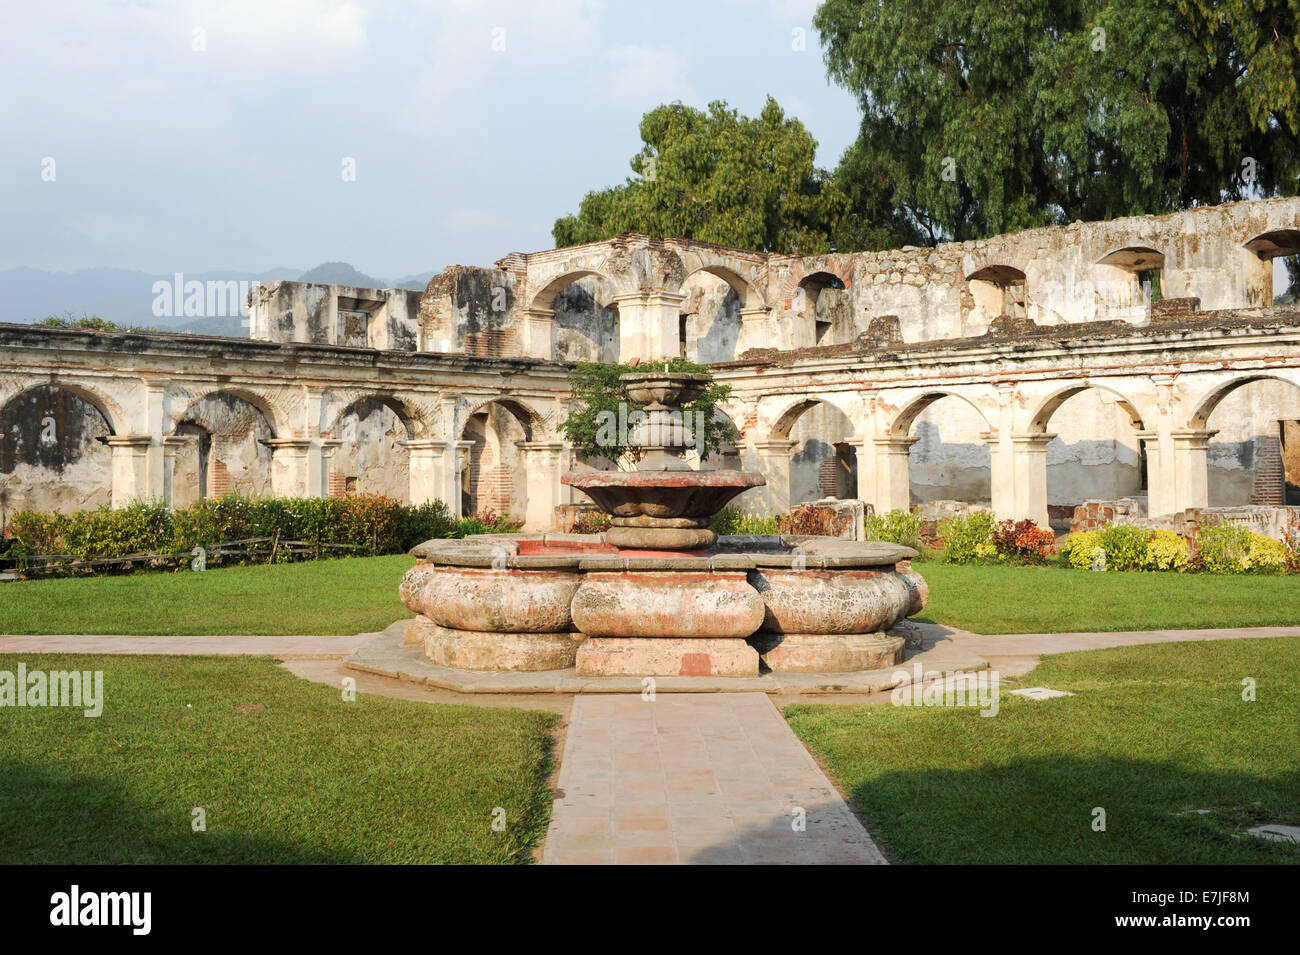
<point x="599" y="392"/>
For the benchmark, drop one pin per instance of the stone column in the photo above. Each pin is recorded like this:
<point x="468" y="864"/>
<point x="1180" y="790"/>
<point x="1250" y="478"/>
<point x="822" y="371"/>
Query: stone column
<point x="1160" y="484"/>
<point x="290" y="467"/>
<point x="755" y="331"/>
<point x="1031" y="476"/>
<point x="130" y="467"/>
<point x="426" y="468"/>
<point x="171" y="445"/>
<point x="893" y="477"/>
<point x="538" y="328"/>
<point x="1191" y="468"/>
<point x="459" y="455"/>
<point x="1002" y="476"/>
<point x="865" y="453"/>
<point x="647" y="325"/>
<point x="326" y="455"/>
<point x="542" y="463"/>
<point x="774" y="465"/>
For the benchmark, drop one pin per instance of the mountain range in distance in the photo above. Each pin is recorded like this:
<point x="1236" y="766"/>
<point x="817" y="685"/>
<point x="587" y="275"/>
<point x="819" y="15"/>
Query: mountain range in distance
<point x="126" y="296"/>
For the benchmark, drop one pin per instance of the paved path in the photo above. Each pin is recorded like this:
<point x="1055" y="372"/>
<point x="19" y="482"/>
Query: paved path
<point x="694" y="778"/>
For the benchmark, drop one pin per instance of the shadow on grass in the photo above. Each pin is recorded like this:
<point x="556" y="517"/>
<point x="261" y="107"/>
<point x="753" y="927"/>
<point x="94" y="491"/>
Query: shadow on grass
<point x="1042" y="810"/>
<point x="70" y="819"/>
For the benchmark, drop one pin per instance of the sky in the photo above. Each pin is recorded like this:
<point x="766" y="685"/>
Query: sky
<point x="189" y="136"/>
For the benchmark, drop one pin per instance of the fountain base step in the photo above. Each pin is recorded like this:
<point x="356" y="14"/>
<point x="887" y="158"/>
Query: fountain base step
<point x="827" y="652"/>
<point x="667" y="656"/>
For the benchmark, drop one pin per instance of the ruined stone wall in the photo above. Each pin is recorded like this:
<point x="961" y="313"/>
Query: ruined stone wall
<point x="370" y="459"/>
<point x="335" y="315"/>
<point x="585" y="330"/>
<point x="51" y="455"/>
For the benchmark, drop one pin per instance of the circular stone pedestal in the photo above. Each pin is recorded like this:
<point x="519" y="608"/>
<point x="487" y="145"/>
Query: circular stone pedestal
<point x="663" y="656"/>
<point x="511" y="652"/>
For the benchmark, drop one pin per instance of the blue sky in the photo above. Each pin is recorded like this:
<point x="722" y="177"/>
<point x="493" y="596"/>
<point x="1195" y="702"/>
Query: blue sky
<point x="212" y="135"/>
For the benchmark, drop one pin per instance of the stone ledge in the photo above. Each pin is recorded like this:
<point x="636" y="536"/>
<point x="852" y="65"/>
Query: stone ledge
<point x="386" y="655"/>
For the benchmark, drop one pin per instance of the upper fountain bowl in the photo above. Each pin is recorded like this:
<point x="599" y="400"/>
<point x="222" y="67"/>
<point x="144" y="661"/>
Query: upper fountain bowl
<point x="696" y="495"/>
<point x="665" y="389"/>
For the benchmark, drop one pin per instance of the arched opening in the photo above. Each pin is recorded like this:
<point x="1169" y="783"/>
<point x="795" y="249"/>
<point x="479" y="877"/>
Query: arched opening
<point x="950" y="460"/>
<point x="824" y="461"/>
<point x="493" y="478"/>
<point x="1129" y="280"/>
<point x="586" y="318"/>
<point x="1096" y="454"/>
<point x="371" y="458"/>
<point x="710" y="321"/>
<point x="1254" y="458"/>
<point x="53" y="454"/>
<point x="220" y="448"/>
<point x="998" y="290"/>
<point x="822" y="302"/>
<point x="1281" y="247"/>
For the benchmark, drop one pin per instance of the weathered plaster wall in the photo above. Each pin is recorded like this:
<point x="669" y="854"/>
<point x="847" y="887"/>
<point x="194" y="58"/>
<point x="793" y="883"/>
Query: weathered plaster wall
<point x="51" y="457"/>
<point x="370" y="459"/>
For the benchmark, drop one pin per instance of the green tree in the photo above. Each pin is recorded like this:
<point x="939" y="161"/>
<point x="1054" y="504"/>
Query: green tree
<point x="716" y="176"/>
<point x="598" y="391"/>
<point x="986" y="116"/>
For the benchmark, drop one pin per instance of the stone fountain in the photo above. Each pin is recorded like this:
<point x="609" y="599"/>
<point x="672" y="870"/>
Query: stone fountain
<point x="660" y="593"/>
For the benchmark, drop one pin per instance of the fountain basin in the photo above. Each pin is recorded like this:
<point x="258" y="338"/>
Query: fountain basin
<point x="530" y="601"/>
<point x="663" y="494"/>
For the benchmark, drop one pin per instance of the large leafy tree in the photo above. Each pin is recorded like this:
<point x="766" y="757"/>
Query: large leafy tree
<point x="985" y="116"/>
<point x="717" y="176"/>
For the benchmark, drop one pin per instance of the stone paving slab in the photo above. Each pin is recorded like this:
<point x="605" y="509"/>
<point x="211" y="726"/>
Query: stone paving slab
<point x="387" y="655"/>
<point x="713" y="778"/>
<point x="283" y="648"/>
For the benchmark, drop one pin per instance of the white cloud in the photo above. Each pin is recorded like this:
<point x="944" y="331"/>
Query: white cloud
<point x="644" y="76"/>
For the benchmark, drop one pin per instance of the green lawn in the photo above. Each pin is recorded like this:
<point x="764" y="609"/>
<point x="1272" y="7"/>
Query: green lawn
<point x="315" y="597"/>
<point x="1056" y="600"/>
<point x="309" y="779"/>
<point x="1151" y="731"/>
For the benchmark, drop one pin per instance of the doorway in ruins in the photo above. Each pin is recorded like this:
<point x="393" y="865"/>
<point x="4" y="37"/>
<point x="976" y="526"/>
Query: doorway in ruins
<point x="493" y="480"/>
<point x="950" y="460"/>
<point x="219" y="447"/>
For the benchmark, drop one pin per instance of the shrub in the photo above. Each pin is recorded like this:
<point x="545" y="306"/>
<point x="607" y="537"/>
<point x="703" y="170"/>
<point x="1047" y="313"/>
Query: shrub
<point x="896" y="526"/>
<point x="968" y="538"/>
<point x="1166" y="550"/>
<point x="1077" y="549"/>
<point x="1224" y="548"/>
<point x="1291" y="544"/>
<point x="1023" y="540"/>
<point x="1125" y="546"/>
<point x="1233" y="549"/>
<point x="363" y="525"/>
<point x="732" y="520"/>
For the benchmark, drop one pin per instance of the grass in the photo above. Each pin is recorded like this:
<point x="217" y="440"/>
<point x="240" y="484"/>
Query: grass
<point x="352" y="595"/>
<point x="309" y="779"/>
<point x="1019" y="599"/>
<point x="1152" y="731"/>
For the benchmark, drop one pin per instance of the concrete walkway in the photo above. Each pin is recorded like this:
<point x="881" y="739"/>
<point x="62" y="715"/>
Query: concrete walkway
<point x="283" y="648"/>
<point x="695" y="778"/>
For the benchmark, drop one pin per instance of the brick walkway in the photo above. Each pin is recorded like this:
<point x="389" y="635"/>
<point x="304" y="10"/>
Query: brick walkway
<point x="694" y="778"/>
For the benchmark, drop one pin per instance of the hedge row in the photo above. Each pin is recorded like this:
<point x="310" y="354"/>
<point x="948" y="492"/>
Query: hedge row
<point x="364" y="525"/>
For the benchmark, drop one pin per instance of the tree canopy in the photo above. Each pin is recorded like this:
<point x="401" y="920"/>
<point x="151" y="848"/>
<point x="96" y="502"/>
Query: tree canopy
<point x="717" y="176"/>
<point x="987" y="116"/>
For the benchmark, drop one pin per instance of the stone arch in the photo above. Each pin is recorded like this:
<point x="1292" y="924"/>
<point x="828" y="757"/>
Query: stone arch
<point x="370" y="456"/>
<point x="903" y="421"/>
<point x="1048" y="406"/>
<point x="53" y="449"/>
<point x="999" y="290"/>
<point x="276" y="419"/>
<point x="1276" y="244"/>
<point x="412" y="421"/>
<point x="545" y="297"/>
<point x="494" y="477"/>
<point x="813" y="309"/>
<point x="109" y="409"/>
<point x="1205" y="406"/>
<point x="1131" y="276"/>
<point x="219" y="447"/>
<point x="750" y="297"/>
<point x="1248" y="438"/>
<point x="535" y="424"/>
<point x="584" y="316"/>
<point x="820" y="436"/>
<point x="792" y="413"/>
